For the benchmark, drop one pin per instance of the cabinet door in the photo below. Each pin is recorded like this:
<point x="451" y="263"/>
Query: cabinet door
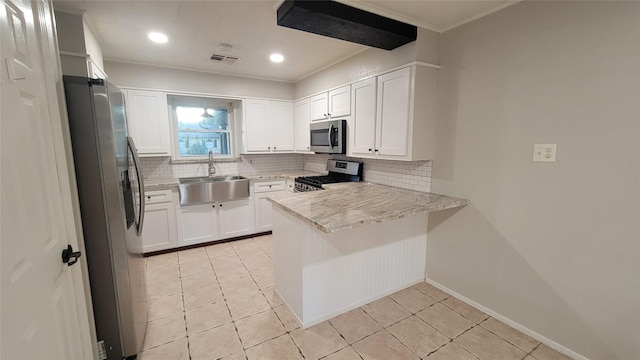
<point x="340" y="102"/>
<point x="236" y="218"/>
<point x="392" y="123"/>
<point x="281" y="126"/>
<point x="197" y="224"/>
<point x="263" y="213"/>
<point x="257" y="125"/>
<point x="363" y="121"/>
<point x="148" y="122"/>
<point x="159" y="232"/>
<point x="301" y="120"/>
<point x="319" y="107"/>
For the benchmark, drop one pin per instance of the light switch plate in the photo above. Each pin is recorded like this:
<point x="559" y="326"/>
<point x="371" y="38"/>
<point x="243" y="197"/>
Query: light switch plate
<point x="544" y="152"/>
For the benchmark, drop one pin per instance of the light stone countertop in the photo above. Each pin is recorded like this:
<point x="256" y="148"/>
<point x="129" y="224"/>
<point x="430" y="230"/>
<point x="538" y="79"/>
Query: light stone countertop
<point x="161" y="184"/>
<point x="276" y="175"/>
<point x="354" y="204"/>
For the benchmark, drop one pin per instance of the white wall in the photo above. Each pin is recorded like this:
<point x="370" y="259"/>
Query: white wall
<point x="554" y="247"/>
<point x="92" y="45"/>
<point x="160" y="78"/>
<point x="370" y="62"/>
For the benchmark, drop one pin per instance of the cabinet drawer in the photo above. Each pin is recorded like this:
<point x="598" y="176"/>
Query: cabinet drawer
<point x="157" y="196"/>
<point x="269" y="186"/>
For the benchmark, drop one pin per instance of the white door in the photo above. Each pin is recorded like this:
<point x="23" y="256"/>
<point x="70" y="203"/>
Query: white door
<point x="236" y="218"/>
<point x="44" y="311"/>
<point x="148" y="122"/>
<point x="392" y="125"/>
<point x="258" y="125"/>
<point x="340" y="102"/>
<point x="263" y="212"/>
<point x="282" y="125"/>
<point x="159" y="232"/>
<point x="301" y="119"/>
<point x="197" y="224"/>
<point x="363" y="122"/>
<point x="319" y="106"/>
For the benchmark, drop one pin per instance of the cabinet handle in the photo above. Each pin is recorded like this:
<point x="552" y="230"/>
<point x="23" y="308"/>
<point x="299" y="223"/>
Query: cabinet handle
<point x="329" y="115"/>
<point x="269" y="148"/>
<point x="376" y="150"/>
<point x="274" y="148"/>
<point x="220" y="205"/>
<point x="149" y="197"/>
<point x="370" y="149"/>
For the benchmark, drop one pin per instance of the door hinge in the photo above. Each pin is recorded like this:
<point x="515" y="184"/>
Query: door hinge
<point x="102" y="351"/>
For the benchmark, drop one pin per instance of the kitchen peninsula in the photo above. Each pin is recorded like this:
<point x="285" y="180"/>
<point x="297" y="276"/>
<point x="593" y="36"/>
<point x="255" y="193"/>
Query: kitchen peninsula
<point x="340" y="248"/>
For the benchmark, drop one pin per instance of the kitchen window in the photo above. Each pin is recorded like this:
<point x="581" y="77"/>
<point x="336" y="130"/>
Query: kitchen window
<point x="201" y="125"/>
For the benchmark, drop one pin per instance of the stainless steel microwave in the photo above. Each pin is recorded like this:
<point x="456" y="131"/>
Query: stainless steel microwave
<point x="329" y="137"/>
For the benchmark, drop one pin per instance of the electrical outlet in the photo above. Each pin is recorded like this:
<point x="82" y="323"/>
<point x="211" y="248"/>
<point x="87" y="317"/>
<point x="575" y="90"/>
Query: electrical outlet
<point x="544" y="152"/>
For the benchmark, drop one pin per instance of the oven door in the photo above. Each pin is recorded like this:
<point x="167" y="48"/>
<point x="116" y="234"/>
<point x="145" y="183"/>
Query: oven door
<point x="328" y="137"/>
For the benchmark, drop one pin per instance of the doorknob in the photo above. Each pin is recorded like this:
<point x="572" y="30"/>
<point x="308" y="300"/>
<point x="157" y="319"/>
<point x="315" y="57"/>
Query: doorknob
<point x="70" y="257"/>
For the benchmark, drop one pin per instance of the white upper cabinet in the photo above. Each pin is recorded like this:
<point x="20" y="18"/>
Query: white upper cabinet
<point x="301" y="119"/>
<point x="333" y="104"/>
<point x="319" y="106"/>
<point x="148" y="122"/>
<point x="393" y="115"/>
<point x="282" y="125"/>
<point x="363" y="124"/>
<point x="257" y="125"/>
<point x="340" y="102"/>
<point x="268" y="125"/>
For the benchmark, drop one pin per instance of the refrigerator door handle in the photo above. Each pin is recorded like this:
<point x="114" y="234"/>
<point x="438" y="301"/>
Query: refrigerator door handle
<point x="136" y="164"/>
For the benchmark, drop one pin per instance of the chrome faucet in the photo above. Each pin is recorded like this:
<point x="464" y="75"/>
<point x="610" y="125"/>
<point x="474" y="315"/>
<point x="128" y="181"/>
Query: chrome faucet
<point x="212" y="168"/>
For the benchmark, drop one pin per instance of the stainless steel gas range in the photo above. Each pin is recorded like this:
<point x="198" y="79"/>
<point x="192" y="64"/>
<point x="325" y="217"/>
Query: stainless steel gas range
<point x="339" y="171"/>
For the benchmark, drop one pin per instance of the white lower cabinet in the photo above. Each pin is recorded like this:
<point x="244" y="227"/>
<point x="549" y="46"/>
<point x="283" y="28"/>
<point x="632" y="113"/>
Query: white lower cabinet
<point x="198" y="224"/>
<point x="263" y="207"/>
<point x="236" y="218"/>
<point x="168" y="225"/>
<point x="203" y="223"/>
<point x="159" y="228"/>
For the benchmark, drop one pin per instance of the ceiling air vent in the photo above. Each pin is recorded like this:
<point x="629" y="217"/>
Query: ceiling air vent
<point x="340" y="21"/>
<point x="229" y="60"/>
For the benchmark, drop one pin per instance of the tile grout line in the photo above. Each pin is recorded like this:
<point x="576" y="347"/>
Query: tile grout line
<point x="257" y="246"/>
<point x="186" y="330"/>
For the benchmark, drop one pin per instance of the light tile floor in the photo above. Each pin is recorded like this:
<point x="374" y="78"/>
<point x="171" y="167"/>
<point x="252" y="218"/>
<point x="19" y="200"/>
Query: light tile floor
<point x="217" y="302"/>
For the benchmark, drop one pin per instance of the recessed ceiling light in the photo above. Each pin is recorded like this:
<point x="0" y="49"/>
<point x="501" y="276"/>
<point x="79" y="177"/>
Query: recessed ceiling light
<point x="157" y="37"/>
<point x="276" y="58"/>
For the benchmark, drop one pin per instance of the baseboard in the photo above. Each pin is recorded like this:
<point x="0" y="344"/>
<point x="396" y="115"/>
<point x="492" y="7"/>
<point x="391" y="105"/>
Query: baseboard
<point x="523" y="329"/>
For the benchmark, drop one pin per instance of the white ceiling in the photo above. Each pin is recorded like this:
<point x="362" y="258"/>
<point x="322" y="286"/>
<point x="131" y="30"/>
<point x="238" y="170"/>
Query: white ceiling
<point x="197" y="28"/>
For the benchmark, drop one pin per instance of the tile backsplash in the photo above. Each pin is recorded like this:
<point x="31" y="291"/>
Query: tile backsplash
<point x="414" y="175"/>
<point x="162" y="167"/>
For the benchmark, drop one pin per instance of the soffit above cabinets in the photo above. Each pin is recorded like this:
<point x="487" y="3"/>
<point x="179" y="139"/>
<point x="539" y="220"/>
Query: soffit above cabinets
<point x="197" y="29"/>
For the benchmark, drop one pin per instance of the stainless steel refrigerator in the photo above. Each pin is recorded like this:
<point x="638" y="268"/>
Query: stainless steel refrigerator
<point x="111" y="194"/>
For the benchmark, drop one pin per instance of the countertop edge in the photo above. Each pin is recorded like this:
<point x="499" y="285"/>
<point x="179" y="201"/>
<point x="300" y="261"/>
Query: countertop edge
<point x="171" y="183"/>
<point x="452" y="202"/>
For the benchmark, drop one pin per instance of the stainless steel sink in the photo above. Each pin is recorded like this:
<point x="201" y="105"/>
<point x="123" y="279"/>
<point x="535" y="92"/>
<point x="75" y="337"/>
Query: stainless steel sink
<point x="206" y="190"/>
